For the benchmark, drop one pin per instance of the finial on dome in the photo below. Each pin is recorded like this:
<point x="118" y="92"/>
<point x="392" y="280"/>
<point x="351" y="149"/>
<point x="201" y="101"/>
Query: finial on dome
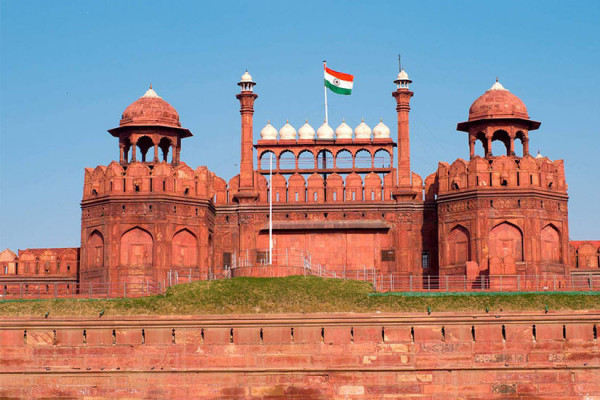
<point x="497" y="86"/>
<point x="151" y="93"/>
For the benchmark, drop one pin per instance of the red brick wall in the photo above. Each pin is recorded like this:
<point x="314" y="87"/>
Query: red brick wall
<point x="323" y="356"/>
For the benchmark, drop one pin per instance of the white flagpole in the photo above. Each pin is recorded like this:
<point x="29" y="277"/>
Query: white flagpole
<point x="325" y="91"/>
<point x="271" y="209"/>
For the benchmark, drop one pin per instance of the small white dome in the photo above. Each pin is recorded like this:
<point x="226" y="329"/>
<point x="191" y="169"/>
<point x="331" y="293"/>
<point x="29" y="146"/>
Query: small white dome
<point x="362" y="131"/>
<point x="246" y="77"/>
<point x="287" y="132"/>
<point x="268" y="132"/>
<point x="343" y="131"/>
<point x="539" y="155"/>
<point x="381" y="131"/>
<point x="151" y="93"/>
<point x="402" y="76"/>
<point x="306" y="131"/>
<point x="324" y="132"/>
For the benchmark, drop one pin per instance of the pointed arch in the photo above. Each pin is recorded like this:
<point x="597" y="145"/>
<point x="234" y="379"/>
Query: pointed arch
<point x="506" y="242"/>
<point x="136" y="250"/>
<point x="459" y="245"/>
<point x="95" y="250"/>
<point x="551" y="244"/>
<point x="184" y="249"/>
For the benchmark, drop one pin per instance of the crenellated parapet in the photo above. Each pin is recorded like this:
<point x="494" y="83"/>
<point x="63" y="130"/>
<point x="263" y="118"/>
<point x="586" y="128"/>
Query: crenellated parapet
<point x="140" y="179"/>
<point x="502" y="173"/>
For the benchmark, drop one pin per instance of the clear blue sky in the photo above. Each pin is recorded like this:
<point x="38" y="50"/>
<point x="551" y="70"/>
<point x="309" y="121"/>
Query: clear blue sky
<point x="69" y="69"/>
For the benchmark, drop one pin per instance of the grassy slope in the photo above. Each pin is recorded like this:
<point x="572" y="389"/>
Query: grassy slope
<point x="291" y="294"/>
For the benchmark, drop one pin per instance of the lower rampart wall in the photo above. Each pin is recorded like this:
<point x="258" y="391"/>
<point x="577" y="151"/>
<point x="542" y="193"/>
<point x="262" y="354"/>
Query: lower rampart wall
<point x="304" y="356"/>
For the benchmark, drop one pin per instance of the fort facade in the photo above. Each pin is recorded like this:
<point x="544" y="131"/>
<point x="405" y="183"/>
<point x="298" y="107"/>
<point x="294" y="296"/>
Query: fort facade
<point x="342" y="199"/>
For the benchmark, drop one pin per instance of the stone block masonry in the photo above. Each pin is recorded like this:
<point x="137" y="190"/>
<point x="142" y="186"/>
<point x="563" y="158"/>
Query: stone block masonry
<point x="309" y="356"/>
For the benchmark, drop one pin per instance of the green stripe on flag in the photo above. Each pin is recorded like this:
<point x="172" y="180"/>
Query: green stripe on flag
<point x="337" y="89"/>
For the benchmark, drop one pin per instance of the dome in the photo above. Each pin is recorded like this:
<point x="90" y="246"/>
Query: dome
<point x="402" y="76"/>
<point x="497" y="102"/>
<point x="246" y="77"/>
<point x="381" y="131"/>
<point x="150" y="110"/>
<point x="343" y="131"/>
<point x="362" y="131"/>
<point x="306" y="131"/>
<point x="268" y="132"/>
<point x="287" y="132"/>
<point x="325" y="132"/>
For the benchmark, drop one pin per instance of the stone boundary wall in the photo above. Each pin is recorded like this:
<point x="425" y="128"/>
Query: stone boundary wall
<point x="505" y="355"/>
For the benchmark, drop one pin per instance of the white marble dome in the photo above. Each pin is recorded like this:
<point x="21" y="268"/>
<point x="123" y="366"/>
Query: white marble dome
<point x="381" y="131"/>
<point x="343" y="131"/>
<point x="402" y="76"/>
<point x="325" y="132"/>
<point x="287" y="132"/>
<point x="362" y="131"/>
<point x="268" y="132"/>
<point x="306" y="131"/>
<point x="246" y="77"/>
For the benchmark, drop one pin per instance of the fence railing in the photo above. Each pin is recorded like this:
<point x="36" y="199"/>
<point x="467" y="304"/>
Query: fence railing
<point x="30" y="290"/>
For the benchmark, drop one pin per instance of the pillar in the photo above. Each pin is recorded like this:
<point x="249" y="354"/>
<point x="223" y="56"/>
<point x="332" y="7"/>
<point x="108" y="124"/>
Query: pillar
<point x="133" y="147"/>
<point x="121" y="153"/>
<point x="472" y="146"/>
<point x="488" y="150"/>
<point x="155" y="152"/>
<point x="403" y="96"/>
<point x="246" y="99"/>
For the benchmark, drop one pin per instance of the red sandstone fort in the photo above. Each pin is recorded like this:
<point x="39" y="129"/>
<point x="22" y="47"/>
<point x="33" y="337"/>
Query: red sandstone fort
<point x="343" y="200"/>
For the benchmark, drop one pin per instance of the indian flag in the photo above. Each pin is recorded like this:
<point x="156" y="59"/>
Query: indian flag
<point x="338" y="82"/>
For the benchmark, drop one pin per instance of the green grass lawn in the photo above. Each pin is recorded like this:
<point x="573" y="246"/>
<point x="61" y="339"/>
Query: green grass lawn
<point x="294" y="294"/>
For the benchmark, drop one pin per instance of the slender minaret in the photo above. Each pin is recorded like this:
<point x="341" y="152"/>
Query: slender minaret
<point x="246" y="98"/>
<point x="402" y="96"/>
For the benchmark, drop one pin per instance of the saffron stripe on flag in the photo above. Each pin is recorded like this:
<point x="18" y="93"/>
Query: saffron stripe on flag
<point x="340" y="75"/>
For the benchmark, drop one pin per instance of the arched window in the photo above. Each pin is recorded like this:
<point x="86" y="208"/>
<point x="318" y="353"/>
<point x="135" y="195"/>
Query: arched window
<point x="325" y="160"/>
<point x="343" y="159"/>
<point x="287" y="160"/>
<point x="265" y="160"/>
<point x="362" y="159"/>
<point x="165" y="145"/>
<point x="144" y="144"/>
<point x="382" y="159"/>
<point x="306" y="160"/>
<point x="500" y="143"/>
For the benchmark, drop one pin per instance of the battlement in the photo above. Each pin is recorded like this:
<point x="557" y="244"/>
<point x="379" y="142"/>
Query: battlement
<point x="146" y="178"/>
<point x="503" y="172"/>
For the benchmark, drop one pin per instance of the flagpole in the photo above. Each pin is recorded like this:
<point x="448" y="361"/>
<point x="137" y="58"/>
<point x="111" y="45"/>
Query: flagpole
<point x="271" y="209"/>
<point x="325" y="92"/>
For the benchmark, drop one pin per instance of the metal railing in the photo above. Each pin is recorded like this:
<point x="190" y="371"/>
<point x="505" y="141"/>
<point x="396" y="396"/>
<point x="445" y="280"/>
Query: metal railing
<point x="34" y="290"/>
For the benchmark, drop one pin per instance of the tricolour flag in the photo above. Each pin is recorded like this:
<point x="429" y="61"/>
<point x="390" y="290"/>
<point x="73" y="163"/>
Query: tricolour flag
<point x="338" y="82"/>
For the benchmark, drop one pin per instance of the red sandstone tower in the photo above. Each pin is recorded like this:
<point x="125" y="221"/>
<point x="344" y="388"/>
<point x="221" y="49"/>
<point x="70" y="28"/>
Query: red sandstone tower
<point x="146" y="217"/>
<point x="247" y="192"/>
<point x="403" y="96"/>
<point x="502" y="214"/>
